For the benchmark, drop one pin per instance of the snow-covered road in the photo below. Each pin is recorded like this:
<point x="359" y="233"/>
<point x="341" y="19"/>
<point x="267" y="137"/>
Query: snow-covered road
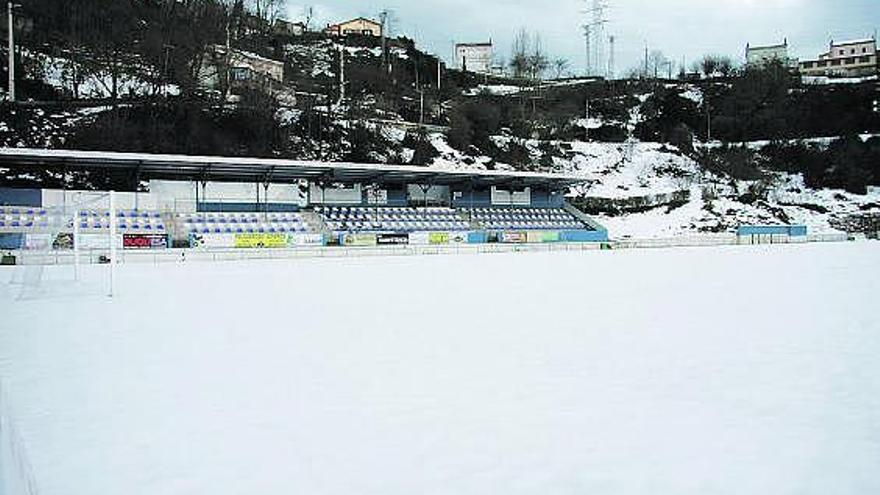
<point x="676" y="371"/>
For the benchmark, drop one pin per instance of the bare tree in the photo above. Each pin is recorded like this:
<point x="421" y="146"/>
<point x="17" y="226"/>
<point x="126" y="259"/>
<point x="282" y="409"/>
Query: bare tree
<point x="560" y="66"/>
<point x="636" y="72"/>
<point x="267" y="11"/>
<point x="519" y="60"/>
<point x="725" y="66"/>
<point x="538" y="61"/>
<point x="657" y="63"/>
<point x="709" y="65"/>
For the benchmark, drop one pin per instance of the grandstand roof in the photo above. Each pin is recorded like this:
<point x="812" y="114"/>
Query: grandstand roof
<point x="240" y="169"/>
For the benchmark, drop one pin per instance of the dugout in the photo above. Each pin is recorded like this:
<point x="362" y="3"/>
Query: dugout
<point x="771" y="234"/>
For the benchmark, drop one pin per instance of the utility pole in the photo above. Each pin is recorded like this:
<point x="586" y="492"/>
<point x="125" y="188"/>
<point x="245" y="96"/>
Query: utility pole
<point x="421" y="108"/>
<point x="611" y="40"/>
<point x="438" y="73"/>
<point x="341" y="75"/>
<point x="587" y="121"/>
<point x="11" y="28"/>
<point x="708" y="120"/>
<point x="227" y="59"/>
<point x="646" y="60"/>
<point x="417" y="74"/>
<point x="386" y="65"/>
<point x="587" y="42"/>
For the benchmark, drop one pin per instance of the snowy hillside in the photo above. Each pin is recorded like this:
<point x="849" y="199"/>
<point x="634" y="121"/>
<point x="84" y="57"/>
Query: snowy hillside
<point x="658" y="173"/>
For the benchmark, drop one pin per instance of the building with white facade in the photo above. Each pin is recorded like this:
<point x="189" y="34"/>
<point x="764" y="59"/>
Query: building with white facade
<point x="857" y="58"/>
<point x="762" y="55"/>
<point x="245" y="69"/>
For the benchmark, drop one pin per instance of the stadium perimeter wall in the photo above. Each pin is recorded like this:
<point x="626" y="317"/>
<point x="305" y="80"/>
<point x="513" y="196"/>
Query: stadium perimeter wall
<point x="93" y="256"/>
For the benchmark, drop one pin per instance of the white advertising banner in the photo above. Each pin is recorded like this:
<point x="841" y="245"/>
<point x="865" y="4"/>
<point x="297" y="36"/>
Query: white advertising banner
<point x="306" y="239"/>
<point x="419" y="238"/>
<point x="212" y="241"/>
<point x="458" y="238"/>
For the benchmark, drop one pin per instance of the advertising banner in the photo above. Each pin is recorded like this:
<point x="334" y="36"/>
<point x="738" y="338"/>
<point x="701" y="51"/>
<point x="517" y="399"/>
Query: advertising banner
<point x="305" y="240"/>
<point x="63" y="241"/>
<point x="359" y="239"/>
<point x="543" y="237"/>
<point x="514" y="237"/>
<point x="438" y="238"/>
<point x="144" y="241"/>
<point x="419" y="238"/>
<point x="458" y="238"/>
<point x="392" y="239"/>
<point x="477" y="237"/>
<point x="212" y="241"/>
<point x="252" y="241"/>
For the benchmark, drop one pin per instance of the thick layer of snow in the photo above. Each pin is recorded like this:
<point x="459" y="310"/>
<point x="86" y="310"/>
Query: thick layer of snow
<point x="691" y="371"/>
<point x="630" y="169"/>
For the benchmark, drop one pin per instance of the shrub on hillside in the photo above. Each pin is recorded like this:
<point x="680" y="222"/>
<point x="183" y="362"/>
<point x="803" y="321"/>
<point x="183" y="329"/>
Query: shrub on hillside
<point x="473" y="124"/>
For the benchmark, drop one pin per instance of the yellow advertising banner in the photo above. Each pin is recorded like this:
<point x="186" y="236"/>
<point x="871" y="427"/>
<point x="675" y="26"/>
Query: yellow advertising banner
<point x="260" y="240"/>
<point x="438" y="238"/>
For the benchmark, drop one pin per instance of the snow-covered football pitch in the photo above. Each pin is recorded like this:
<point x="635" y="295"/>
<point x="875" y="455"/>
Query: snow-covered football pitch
<point x="737" y="370"/>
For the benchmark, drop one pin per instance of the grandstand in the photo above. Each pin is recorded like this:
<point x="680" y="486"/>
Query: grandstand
<point x="205" y="202"/>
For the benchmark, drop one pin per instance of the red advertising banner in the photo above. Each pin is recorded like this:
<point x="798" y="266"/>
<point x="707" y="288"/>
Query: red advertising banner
<point x="144" y="241"/>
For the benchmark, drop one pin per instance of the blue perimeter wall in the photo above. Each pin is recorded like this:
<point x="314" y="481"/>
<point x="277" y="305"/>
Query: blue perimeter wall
<point x="790" y="230"/>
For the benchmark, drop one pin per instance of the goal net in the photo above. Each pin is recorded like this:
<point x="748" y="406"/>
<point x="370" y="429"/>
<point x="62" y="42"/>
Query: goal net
<point x="78" y="234"/>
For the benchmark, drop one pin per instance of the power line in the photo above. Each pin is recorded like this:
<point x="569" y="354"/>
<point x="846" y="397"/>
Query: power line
<point x="595" y="20"/>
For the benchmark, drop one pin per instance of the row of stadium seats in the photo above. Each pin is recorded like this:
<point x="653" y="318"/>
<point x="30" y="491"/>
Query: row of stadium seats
<point x="241" y="223"/>
<point x="132" y="214"/>
<point x="18" y="217"/>
<point x="524" y="218"/>
<point x="379" y="219"/>
<point x="239" y="218"/>
<point x="24" y="219"/>
<point x="124" y="225"/>
<point x="22" y="210"/>
<point x="244" y="228"/>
